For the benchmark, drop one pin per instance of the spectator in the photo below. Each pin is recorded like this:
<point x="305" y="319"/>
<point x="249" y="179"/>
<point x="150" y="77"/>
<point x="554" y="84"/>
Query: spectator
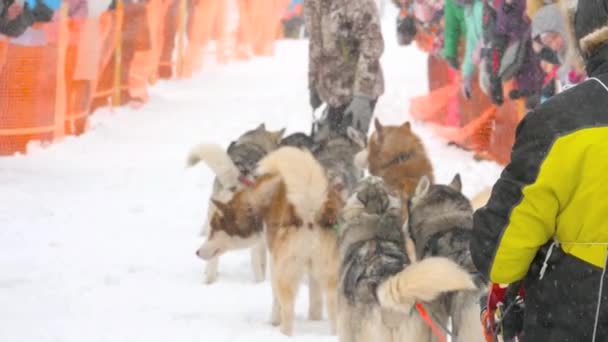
<point x="473" y="15"/>
<point x="15" y="17"/>
<point x="455" y="29"/>
<point x="507" y="40"/>
<point x="292" y="20"/>
<point x="545" y="222"/>
<point x="344" y="60"/>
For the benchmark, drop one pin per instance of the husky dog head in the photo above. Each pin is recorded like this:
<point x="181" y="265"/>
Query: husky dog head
<point x="252" y="146"/>
<point x="299" y="140"/>
<point x="238" y="223"/>
<point x="267" y="140"/>
<point x="396" y="154"/>
<point x="437" y="209"/>
<point x="439" y="199"/>
<point x="372" y="197"/>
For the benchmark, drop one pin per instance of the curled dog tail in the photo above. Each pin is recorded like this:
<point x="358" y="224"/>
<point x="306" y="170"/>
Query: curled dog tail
<point x="218" y="160"/>
<point x="423" y="281"/>
<point x="303" y="176"/>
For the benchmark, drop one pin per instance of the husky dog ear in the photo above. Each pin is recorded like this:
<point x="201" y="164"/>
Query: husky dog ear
<point x="423" y="186"/>
<point x="277" y="136"/>
<point x="407" y="126"/>
<point x="222" y="207"/>
<point x="356" y="137"/>
<point x="261" y="128"/>
<point x="456" y="183"/>
<point x="379" y="129"/>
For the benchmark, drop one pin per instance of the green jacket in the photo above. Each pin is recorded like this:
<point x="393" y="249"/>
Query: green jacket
<point x="474" y="32"/>
<point x="454" y="24"/>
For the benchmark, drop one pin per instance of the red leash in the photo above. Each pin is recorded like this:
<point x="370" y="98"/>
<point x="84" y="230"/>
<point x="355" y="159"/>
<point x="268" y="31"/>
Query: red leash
<point x="427" y="319"/>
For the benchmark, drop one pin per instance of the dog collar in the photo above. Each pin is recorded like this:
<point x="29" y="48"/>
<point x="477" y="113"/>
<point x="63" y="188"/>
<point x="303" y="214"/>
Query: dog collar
<point x="400" y="158"/>
<point x="246" y="181"/>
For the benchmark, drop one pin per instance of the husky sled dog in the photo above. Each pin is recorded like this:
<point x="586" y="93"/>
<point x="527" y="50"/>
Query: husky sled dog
<point x="336" y="145"/>
<point x="233" y="169"/>
<point x="396" y="154"/>
<point x="440" y="223"/>
<point x="299" y="140"/>
<point x="379" y="281"/>
<point x="299" y="209"/>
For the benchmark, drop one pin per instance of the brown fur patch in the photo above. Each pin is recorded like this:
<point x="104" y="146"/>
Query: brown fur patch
<point x="240" y="217"/>
<point x="331" y="210"/>
<point x="396" y="155"/>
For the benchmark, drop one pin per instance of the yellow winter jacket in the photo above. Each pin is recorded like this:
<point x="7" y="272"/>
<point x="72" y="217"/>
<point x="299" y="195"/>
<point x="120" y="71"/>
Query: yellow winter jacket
<point x="556" y="187"/>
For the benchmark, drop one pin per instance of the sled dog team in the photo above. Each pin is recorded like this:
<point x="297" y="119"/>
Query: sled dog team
<point x="373" y="249"/>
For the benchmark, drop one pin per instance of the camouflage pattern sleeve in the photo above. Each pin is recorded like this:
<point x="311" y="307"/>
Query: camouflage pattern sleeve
<point x="312" y="19"/>
<point x="368" y="29"/>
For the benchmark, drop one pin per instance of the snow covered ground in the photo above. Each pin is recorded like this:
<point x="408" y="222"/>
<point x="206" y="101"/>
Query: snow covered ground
<point x="98" y="233"/>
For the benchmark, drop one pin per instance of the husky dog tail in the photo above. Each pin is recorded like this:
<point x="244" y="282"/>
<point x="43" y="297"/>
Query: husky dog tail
<point x="303" y="176"/>
<point x="423" y="281"/>
<point x="218" y="161"/>
<point x="481" y="198"/>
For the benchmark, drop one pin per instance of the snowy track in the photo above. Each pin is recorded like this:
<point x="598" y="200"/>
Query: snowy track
<point x="98" y="233"/>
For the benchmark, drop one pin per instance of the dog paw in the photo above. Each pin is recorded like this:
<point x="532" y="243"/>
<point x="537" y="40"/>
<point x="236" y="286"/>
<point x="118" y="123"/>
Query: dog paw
<point x="259" y="278"/>
<point x="275" y="321"/>
<point x="286" y="329"/>
<point x="210" y="279"/>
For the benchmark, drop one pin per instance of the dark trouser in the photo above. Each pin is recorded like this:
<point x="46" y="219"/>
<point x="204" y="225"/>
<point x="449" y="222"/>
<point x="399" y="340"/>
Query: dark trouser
<point x="561" y="307"/>
<point x="337" y="120"/>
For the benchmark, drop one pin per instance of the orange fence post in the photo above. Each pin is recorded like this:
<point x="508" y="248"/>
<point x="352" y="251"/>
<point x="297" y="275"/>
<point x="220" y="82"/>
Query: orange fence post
<point x="181" y="32"/>
<point x="60" y="90"/>
<point x="118" y="53"/>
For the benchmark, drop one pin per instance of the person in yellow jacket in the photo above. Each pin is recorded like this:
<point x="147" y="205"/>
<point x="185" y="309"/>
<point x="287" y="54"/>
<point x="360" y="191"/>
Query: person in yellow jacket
<point x="546" y="223"/>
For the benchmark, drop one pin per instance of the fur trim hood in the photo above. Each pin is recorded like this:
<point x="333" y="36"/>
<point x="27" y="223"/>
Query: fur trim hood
<point x="573" y="56"/>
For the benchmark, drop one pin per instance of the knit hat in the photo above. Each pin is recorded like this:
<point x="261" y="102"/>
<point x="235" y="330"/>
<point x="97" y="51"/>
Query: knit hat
<point x="549" y="19"/>
<point x="590" y="23"/>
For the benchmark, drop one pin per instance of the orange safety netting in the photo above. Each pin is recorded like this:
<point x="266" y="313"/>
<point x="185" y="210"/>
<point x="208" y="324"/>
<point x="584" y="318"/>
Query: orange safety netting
<point x="475" y="123"/>
<point x="49" y="88"/>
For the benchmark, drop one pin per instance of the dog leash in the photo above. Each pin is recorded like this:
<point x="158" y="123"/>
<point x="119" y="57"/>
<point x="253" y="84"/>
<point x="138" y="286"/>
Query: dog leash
<point x="429" y="321"/>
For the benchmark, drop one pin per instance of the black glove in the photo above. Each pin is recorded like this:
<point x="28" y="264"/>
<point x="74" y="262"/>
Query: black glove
<point x="359" y="112"/>
<point x="496" y="91"/>
<point x="315" y="100"/>
<point x="453" y="63"/>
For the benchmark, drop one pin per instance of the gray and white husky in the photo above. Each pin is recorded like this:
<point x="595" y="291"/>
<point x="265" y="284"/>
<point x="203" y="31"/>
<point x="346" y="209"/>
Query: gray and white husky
<point x="379" y="280"/>
<point x="335" y="148"/>
<point x="440" y="224"/>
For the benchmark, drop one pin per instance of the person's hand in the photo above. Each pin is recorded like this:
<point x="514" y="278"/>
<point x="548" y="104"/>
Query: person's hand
<point x="360" y="110"/>
<point x="315" y="100"/>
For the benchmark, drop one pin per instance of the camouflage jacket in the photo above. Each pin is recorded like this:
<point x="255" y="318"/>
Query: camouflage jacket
<point x="345" y="49"/>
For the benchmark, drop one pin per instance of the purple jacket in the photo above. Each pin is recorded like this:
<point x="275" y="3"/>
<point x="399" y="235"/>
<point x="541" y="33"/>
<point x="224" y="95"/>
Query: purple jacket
<point x="511" y="20"/>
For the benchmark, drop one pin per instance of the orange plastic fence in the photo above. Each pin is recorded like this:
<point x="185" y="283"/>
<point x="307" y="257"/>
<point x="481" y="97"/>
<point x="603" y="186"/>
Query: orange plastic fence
<point x="48" y="88"/>
<point x="473" y="124"/>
